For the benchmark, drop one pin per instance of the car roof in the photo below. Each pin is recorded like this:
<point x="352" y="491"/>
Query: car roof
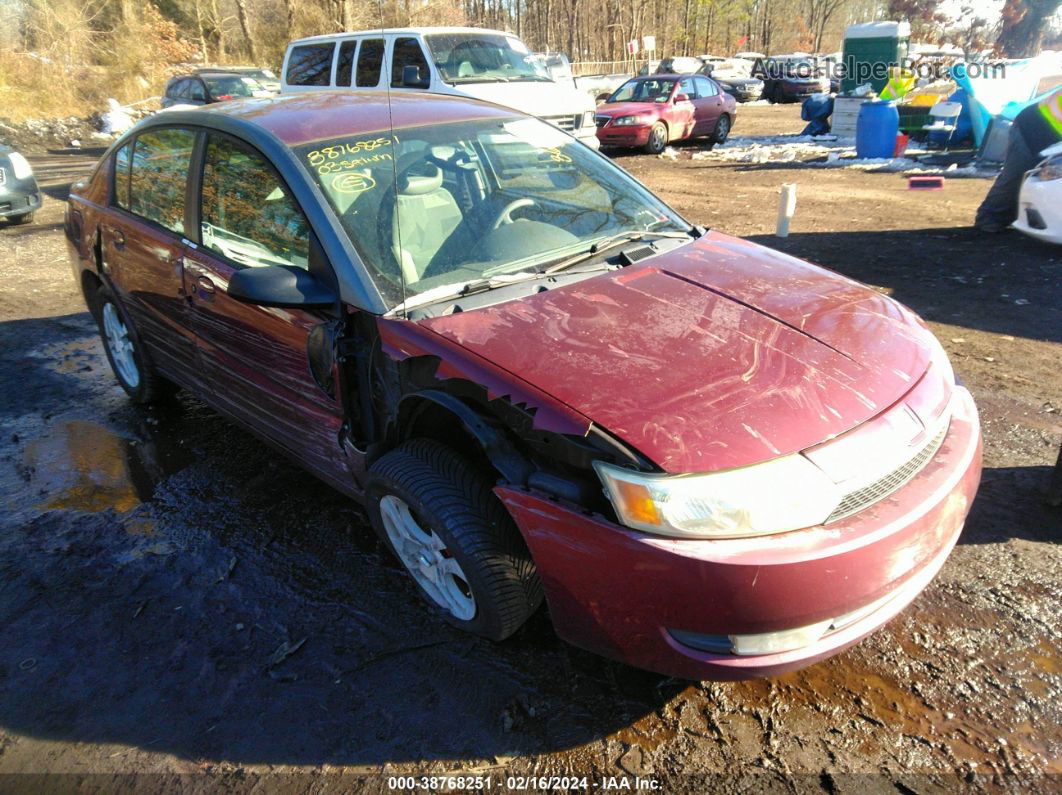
<point x="392" y="31"/>
<point x="303" y="117"/>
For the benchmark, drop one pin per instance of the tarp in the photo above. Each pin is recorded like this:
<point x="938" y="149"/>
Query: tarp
<point x="1006" y="91"/>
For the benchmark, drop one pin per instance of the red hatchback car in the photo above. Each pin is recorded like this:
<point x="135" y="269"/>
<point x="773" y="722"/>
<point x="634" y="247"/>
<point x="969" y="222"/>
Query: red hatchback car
<point x="655" y="110"/>
<point x="711" y="459"/>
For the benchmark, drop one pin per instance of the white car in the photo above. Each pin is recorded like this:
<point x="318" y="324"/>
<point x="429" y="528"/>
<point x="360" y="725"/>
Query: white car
<point x="467" y="62"/>
<point x="1040" y="199"/>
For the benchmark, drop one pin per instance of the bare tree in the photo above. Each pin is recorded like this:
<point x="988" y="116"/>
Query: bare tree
<point x="1024" y="22"/>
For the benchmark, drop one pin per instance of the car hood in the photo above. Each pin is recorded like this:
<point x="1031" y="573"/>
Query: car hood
<point x="739" y="81"/>
<point x="629" y="108"/>
<point x="717" y="354"/>
<point x="534" y="98"/>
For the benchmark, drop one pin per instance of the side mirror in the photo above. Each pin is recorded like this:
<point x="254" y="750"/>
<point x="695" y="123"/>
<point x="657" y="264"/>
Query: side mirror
<point x="281" y="286"/>
<point x="411" y="77"/>
<point x="682" y="98"/>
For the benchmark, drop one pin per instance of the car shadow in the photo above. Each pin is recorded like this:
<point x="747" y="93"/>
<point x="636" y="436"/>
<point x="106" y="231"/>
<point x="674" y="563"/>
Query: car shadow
<point x="1006" y="283"/>
<point x="224" y="604"/>
<point x="1011" y="502"/>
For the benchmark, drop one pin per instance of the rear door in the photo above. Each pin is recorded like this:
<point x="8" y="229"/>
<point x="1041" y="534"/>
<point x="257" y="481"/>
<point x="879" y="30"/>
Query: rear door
<point x="709" y="104"/>
<point x="142" y="244"/>
<point x="256" y="358"/>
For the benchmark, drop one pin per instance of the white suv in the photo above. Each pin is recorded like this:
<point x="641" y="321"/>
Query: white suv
<point x="469" y="62"/>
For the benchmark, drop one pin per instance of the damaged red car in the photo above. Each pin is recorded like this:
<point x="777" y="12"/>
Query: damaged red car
<point x="710" y="459"/>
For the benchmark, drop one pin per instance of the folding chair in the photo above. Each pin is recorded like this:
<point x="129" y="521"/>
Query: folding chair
<point x="945" y="117"/>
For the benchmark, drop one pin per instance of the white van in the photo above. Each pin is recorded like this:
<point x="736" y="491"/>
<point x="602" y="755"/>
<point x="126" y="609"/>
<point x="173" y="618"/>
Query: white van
<point x="468" y="62"/>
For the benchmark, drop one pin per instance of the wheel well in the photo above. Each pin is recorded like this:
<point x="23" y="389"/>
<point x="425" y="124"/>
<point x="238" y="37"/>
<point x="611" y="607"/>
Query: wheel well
<point x="429" y="420"/>
<point x="450" y="421"/>
<point x="90" y="282"/>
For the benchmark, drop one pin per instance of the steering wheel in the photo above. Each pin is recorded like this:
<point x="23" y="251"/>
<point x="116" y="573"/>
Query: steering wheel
<point x="505" y="216"/>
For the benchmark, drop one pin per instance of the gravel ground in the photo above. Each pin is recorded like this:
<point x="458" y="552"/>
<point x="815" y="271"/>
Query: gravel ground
<point x="179" y="603"/>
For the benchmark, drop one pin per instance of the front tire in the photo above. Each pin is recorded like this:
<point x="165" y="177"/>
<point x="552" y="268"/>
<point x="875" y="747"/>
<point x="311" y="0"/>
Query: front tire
<point x="19" y="220"/>
<point x="129" y="361"/>
<point x="657" y="139"/>
<point x="440" y="518"/>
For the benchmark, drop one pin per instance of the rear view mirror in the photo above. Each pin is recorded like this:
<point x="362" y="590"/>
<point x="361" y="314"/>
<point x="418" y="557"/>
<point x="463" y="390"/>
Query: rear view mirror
<point x="281" y="286"/>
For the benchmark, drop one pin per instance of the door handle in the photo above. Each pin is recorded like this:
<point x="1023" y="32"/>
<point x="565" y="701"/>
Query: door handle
<point x="205" y="286"/>
<point x="117" y="238"/>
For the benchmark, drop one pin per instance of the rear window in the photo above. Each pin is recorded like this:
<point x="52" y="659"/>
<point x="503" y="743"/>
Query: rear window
<point x="311" y="64"/>
<point x="345" y="62"/>
<point x="121" y="176"/>
<point x="159" y="175"/>
<point x="370" y="62"/>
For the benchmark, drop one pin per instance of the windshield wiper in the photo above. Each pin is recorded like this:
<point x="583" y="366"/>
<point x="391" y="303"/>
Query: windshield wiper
<point x="446" y="292"/>
<point x="606" y="243"/>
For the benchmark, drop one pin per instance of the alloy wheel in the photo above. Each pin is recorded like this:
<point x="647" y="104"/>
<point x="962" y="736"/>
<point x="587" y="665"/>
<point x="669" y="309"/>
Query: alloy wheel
<point x="120" y="345"/>
<point x="427" y="558"/>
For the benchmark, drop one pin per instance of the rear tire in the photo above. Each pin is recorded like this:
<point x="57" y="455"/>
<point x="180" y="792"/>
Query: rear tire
<point x="130" y="362"/>
<point x="657" y="139"/>
<point x="438" y="515"/>
<point x="722" y="129"/>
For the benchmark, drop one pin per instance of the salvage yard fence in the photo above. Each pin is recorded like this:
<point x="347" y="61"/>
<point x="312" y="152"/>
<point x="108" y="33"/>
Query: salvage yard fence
<point x="583" y="68"/>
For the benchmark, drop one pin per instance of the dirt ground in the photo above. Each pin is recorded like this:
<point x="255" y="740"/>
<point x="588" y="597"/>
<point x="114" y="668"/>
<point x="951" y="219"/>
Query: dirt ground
<point x="178" y="602"/>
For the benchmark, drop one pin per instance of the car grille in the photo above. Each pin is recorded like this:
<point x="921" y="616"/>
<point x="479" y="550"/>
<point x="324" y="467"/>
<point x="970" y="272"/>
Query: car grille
<point x="601" y="121"/>
<point x="565" y="122"/>
<point x="855" y="501"/>
<point x="3" y="176"/>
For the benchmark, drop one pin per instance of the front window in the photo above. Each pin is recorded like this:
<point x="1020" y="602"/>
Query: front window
<point x="644" y="91"/>
<point x="248" y="216"/>
<point x="443" y="205"/>
<point x="484" y="58"/>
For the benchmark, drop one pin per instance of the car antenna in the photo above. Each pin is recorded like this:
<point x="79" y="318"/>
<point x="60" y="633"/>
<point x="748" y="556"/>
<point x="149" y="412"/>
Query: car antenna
<point x="394" y="158"/>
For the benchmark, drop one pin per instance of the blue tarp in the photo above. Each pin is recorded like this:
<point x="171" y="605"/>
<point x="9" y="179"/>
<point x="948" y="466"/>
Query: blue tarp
<point x="816" y="110"/>
<point x="993" y="92"/>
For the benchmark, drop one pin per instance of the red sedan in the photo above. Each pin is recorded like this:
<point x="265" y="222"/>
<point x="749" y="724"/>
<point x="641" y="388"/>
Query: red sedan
<point x="710" y="459"/>
<point x="655" y="110"/>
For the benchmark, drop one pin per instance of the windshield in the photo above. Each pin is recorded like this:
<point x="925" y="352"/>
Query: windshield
<point x="232" y="86"/>
<point x="484" y="58"/>
<point x="644" y="91"/>
<point x="446" y="204"/>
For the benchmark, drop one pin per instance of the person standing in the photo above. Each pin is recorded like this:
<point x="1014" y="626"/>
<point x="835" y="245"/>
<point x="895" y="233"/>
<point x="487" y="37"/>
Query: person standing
<point x="1037" y="127"/>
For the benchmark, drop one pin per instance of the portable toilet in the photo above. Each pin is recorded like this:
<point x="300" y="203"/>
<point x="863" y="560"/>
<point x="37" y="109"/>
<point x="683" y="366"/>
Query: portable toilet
<point x="873" y="43"/>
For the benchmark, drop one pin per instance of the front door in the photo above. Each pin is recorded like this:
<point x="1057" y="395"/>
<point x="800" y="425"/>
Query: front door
<point x="256" y="358"/>
<point x="141" y="241"/>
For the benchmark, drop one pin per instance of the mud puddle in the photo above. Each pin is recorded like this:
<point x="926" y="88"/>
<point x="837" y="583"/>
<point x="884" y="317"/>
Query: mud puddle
<point x="84" y="465"/>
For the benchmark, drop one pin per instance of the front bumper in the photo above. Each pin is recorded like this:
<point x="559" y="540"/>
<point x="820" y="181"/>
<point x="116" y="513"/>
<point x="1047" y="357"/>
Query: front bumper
<point x="626" y="135"/>
<point x="747" y="95"/>
<point x="1040" y="209"/>
<point x="588" y="135"/>
<point x="18" y="197"/>
<point x="623" y="594"/>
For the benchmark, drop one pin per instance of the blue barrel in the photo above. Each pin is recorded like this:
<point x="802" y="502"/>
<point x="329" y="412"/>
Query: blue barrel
<point x="876" y="129"/>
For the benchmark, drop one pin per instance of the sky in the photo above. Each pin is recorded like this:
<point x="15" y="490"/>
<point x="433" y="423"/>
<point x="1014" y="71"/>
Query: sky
<point x="989" y="9"/>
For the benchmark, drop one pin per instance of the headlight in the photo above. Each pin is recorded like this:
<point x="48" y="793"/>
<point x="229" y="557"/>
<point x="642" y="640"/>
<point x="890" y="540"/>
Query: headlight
<point x="624" y="121"/>
<point x="1050" y="169"/>
<point x="20" y="167"/>
<point x="787" y="493"/>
